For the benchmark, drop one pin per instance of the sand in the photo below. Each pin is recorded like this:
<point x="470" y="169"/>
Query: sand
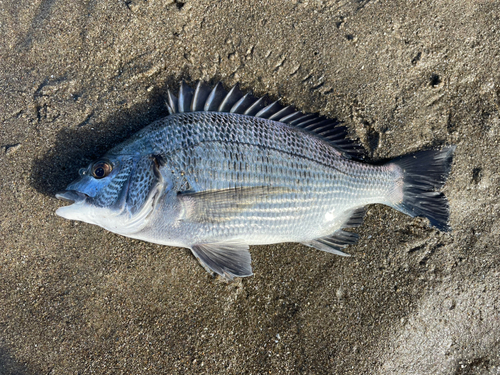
<point x="77" y="78"/>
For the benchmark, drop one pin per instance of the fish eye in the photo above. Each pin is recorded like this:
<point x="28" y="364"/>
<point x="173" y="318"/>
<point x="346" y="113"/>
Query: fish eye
<point x="101" y="169"/>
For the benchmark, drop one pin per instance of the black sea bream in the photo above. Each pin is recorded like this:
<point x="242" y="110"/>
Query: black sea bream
<point x="223" y="171"/>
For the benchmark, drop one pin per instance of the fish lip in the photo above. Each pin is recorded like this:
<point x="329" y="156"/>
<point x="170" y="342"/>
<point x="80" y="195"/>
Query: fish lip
<point x="72" y="196"/>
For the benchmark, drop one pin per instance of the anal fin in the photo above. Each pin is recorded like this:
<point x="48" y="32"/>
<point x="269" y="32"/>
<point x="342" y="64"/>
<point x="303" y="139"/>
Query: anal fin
<point x="334" y="243"/>
<point x="340" y="239"/>
<point x="356" y="218"/>
<point x="227" y="259"/>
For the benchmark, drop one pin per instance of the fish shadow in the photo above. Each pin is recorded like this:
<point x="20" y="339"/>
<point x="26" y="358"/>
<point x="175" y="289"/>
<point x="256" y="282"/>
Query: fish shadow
<point x="9" y="366"/>
<point x="77" y="146"/>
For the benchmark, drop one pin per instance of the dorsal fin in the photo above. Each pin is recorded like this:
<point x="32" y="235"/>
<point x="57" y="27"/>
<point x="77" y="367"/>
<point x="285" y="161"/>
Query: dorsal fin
<point x="217" y="99"/>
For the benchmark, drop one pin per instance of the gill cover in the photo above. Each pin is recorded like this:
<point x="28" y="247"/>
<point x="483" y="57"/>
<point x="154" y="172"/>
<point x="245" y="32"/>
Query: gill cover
<point x="139" y="196"/>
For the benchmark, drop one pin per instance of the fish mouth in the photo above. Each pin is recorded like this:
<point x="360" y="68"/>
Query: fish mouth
<point x="74" y="210"/>
<point x="71" y="196"/>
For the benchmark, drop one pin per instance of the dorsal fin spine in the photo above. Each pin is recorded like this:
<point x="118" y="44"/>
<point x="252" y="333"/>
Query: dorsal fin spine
<point x="306" y="123"/>
<point x="319" y="125"/>
<point x="282" y="113"/>
<point x="217" y="93"/>
<point x="240" y="104"/>
<point x="172" y="102"/>
<point x="291" y="117"/>
<point x="303" y="118"/>
<point x="181" y="98"/>
<point x="270" y="109"/>
<point x="196" y="97"/>
<point x="225" y="100"/>
<point x="255" y="107"/>
<point x="230" y="99"/>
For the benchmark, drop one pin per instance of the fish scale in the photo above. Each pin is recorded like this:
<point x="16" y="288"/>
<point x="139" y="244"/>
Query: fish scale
<point x="225" y="171"/>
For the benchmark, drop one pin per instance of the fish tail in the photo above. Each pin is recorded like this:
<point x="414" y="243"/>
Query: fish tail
<point x="420" y="177"/>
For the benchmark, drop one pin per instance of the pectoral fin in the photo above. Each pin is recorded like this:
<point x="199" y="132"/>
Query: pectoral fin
<point x="227" y="259"/>
<point x="214" y="206"/>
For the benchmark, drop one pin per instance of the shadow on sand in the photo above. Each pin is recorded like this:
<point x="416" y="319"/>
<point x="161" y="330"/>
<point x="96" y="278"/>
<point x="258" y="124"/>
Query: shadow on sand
<point x="77" y="146"/>
<point x="9" y="366"/>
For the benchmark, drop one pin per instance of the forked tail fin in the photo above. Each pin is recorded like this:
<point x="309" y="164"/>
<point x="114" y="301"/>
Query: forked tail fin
<point x="424" y="174"/>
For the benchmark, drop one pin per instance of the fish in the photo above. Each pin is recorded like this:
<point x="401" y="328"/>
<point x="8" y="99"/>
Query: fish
<point x="225" y="170"/>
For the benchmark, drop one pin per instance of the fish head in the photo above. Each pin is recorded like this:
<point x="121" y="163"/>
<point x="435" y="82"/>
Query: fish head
<point x="114" y="193"/>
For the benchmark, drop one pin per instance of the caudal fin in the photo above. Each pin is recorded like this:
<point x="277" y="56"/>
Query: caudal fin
<point x="424" y="174"/>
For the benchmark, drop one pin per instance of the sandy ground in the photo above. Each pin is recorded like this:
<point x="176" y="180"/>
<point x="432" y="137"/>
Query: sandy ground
<point x="77" y="78"/>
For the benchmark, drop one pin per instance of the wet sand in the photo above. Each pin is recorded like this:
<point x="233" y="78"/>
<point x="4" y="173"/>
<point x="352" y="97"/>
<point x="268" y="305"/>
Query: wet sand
<point x="77" y="78"/>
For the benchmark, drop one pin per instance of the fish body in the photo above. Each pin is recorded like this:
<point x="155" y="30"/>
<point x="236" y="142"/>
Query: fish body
<point x="224" y="171"/>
